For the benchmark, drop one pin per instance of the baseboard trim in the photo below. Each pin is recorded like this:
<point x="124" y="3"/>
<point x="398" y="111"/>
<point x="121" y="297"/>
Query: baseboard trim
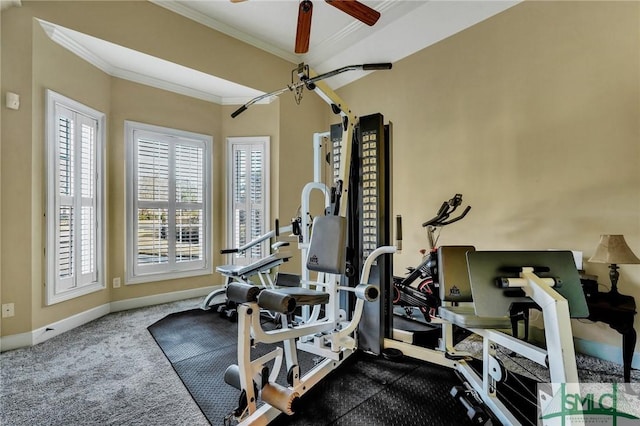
<point x="598" y="350"/>
<point x="158" y="299"/>
<point x="604" y="351"/>
<point x="16" y="341"/>
<point x="59" y="327"/>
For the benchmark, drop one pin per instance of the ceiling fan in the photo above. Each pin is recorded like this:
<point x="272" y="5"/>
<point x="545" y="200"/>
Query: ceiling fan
<point x="354" y="8"/>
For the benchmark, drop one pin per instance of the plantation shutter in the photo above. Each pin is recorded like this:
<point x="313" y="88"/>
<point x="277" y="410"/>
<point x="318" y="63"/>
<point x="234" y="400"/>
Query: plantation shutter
<point x="76" y="228"/>
<point x="153" y="200"/>
<point x="170" y="203"/>
<point x="65" y="224"/>
<point x="189" y="202"/>
<point x="257" y="205"/>
<point x="87" y="200"/>
<point x="248" y="187"/>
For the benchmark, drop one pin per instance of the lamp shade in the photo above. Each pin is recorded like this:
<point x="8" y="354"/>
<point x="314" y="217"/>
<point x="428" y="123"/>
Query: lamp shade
<point x="613" y="249"/>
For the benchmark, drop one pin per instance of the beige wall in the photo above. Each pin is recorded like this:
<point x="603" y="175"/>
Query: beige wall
<point x="16" y="168"/>
<point x="31" y="63"/>
<point x="534" y="116"/>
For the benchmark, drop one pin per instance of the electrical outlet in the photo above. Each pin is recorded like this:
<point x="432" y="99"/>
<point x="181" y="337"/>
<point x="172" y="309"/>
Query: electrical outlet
<point x="116" y="282"/>
<point x="13" y="100"/>
<point x="8" y="310"/>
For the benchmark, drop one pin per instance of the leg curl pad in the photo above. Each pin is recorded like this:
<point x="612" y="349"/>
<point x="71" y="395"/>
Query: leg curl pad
<point x="284" y="399"/>
<point x="273" y="300"/>
<point x="242" y="292"/>
<point x="232" y="376"/>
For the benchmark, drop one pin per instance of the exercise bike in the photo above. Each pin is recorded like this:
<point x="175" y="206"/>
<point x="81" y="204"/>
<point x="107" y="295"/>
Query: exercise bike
<point x="425" y="295"/>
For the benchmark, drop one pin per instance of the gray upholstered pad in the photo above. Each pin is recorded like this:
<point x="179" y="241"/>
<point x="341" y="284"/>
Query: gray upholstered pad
<point x="465" y="316"/>
<point x="305" y="296"/>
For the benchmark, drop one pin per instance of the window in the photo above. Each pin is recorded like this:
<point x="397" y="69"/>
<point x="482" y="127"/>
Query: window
<point x="248" y="188"/>
<point x="168" y="203"/>
<point x="75" y="199"/>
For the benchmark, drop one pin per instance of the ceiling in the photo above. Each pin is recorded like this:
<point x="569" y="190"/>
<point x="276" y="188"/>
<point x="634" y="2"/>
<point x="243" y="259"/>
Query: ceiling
<point x="337" y="39"/>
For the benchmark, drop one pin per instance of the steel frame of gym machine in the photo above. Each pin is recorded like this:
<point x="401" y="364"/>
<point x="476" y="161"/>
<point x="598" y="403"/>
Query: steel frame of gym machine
<point x="333" y="336"/>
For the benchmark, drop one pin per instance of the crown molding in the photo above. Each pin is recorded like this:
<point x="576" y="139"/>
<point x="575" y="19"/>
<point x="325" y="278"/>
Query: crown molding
<point x="6" y="4"/>
<point x="63" y="37"/>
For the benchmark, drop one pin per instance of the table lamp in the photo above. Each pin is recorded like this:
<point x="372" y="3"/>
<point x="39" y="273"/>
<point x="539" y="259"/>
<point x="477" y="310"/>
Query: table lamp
<point x="613" y="249"/>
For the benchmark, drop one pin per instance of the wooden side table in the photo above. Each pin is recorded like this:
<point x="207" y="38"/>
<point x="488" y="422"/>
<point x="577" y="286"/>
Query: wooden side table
<point x="615" y="309"/>
<point x="618" y="311"/>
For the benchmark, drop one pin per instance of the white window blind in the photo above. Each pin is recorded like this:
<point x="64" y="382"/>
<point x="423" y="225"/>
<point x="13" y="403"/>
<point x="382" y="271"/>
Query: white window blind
<point x="75" y="263"/>
<point x="168" y="203"/>
<point x="249" y="177"/>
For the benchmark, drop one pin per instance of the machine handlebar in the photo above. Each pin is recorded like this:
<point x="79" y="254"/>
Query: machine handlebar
<point x="274" y="233"/>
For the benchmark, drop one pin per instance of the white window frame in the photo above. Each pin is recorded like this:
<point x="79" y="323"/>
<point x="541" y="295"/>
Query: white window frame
<point x="264" y="142"/>
<point x="136" y="273"/>
<point x="79" y="284"/>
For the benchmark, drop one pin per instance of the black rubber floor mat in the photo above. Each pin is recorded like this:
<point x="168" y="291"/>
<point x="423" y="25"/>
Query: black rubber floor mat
<point x="419" y="398"/>
<point x="365" y="390"/>
<point x="183" y="335"/>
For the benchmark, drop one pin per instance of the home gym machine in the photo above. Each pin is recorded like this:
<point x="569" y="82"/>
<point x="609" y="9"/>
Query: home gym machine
<point x="329" y="328"/>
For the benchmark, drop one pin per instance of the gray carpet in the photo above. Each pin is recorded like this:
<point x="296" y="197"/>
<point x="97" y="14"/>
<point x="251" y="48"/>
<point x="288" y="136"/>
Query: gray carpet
<point x="107" y="372"/>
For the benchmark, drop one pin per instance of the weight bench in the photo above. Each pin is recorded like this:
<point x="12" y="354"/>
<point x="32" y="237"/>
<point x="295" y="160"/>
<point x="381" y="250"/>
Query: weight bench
<point x="261" y="268"/>
<point x="245" y="273"/>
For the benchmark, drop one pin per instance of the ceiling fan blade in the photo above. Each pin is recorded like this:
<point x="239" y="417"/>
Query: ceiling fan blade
<point x="360" y="11"/>
<point x="303" y="33"/>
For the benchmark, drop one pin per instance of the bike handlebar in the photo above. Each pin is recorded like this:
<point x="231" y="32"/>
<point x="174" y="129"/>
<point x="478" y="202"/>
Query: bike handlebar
<point x="445" y="211"/>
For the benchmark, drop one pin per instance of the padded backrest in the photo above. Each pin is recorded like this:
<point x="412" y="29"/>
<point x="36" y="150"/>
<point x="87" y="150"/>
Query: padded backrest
<point x="327" y="248"/>
<point x="453" y="274"/>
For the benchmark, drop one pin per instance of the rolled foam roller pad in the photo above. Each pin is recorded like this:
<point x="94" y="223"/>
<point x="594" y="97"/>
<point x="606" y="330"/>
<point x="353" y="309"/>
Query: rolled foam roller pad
<point x="242" y="292"/>
<point x="276" y="301"/>
<point x="280" y="397"/>
<point x="232" y="376"/>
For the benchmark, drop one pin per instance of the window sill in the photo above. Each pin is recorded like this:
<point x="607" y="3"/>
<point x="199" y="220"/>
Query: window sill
<point x="52" y="299"/>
